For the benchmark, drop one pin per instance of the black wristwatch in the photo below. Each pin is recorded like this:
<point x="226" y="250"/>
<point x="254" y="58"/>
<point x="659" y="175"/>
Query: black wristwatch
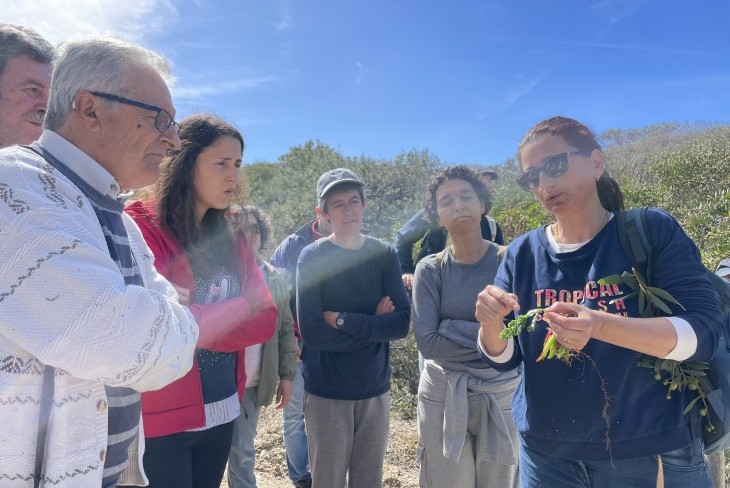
<point x="340" y="321"/>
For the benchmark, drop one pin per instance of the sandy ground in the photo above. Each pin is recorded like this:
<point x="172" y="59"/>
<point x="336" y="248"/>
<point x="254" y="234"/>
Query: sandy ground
<point x="401" y="468"/>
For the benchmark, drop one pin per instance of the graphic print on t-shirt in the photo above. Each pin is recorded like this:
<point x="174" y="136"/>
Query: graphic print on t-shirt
<point x="605" y="298"/>
<point x="217" y="369"/>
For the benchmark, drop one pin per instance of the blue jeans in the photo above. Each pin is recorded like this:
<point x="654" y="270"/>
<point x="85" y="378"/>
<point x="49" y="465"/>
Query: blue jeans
<point x="295" y="437"/>
<point x="683" y="468"/>
<point x="242" y="456"/>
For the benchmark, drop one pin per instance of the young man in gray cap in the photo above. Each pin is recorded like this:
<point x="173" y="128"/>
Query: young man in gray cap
<point x="351" y="303"/>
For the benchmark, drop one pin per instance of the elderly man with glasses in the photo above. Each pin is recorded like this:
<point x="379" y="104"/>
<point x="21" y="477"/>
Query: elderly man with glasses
<point x="86" y="323"/>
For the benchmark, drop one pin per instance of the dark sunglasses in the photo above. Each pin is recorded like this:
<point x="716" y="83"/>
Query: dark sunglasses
<point x="554" y="167"/>
<point x="163" y="121"/>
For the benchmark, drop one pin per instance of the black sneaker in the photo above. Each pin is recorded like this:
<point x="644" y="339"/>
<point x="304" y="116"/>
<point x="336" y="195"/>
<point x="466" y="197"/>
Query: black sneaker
<point x="303" y="483"/>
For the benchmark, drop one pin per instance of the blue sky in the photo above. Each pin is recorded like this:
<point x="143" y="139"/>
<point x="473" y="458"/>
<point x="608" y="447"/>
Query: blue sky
<point x="463" y="78"/>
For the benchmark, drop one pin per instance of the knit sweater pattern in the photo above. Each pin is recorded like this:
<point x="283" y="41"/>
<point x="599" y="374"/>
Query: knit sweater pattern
<point x="65" y="303"/>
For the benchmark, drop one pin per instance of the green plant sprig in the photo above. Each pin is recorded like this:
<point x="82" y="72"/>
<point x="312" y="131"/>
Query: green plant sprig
<point x="650" y="297"/>
<point x="521" y="322"/>
<point x="675" y="375"/>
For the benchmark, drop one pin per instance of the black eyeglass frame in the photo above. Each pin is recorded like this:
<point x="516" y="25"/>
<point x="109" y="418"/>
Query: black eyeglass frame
<point x="554" y="166"/>
<point x="158" y="121"/>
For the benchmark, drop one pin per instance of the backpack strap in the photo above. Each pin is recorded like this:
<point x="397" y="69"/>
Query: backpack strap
<point x="492" y="227"/>
<point x="633" y="234"/>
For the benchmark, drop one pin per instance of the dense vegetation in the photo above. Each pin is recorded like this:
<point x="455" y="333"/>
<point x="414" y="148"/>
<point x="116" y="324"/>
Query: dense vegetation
<point x="684" y="169"/>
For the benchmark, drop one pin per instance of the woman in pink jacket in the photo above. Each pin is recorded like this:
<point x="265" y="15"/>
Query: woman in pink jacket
<point x="188" y="424"/>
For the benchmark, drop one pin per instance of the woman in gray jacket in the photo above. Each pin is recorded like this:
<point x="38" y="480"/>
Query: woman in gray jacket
<point x="467" y="438"/>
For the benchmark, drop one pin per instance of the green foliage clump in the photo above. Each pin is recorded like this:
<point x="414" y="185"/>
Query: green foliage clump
<point x="405" y="377"/>
<point x="693" y="184"/>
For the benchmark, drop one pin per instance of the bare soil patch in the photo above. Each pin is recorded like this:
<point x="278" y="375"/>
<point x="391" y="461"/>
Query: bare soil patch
<point x="400" y="469"/>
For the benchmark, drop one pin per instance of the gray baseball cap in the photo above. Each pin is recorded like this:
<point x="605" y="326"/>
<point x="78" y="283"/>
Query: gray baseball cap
<point x="332" y="178"/>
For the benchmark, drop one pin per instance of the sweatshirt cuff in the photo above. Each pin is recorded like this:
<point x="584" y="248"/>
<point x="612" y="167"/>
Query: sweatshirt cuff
<point x="502" y="358"/>
<point x="686" y="340"/>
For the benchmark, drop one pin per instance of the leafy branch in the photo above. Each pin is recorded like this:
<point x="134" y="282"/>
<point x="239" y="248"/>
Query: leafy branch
<point x="675" y="375"/>
<point x="521" y="322"/>
<point x="651" y="298"/>
<point x="653" y="301"/>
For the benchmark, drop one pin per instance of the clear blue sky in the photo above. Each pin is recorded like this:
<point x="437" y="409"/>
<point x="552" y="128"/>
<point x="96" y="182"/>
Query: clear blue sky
<point x="464" y="79"/>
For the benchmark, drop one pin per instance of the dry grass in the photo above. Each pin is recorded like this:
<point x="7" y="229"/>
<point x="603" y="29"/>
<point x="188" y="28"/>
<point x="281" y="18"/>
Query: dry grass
<point x="400" y="469"/>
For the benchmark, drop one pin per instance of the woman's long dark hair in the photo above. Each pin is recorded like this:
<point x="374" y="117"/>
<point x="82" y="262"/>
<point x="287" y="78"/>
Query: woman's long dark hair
<point x="583" y="139"/>
<point x="210" y="242"/>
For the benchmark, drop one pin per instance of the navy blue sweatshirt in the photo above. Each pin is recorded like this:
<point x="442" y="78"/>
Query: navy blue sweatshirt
<point x="557" y="408"/>
<point x="352" y="363"/>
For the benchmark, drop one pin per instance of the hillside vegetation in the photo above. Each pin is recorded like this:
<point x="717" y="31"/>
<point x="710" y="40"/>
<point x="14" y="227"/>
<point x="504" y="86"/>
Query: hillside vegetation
<point x="682" y="168"/>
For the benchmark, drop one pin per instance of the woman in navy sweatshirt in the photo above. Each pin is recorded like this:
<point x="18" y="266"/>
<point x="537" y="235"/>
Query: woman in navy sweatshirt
<point x="599" y="420"/>
<point x="350" y="302"/>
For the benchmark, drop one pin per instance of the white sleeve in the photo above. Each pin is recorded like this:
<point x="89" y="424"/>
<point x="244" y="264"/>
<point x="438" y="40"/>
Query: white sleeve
<point x="686" y="340"/>
<point x="502" y="358"/>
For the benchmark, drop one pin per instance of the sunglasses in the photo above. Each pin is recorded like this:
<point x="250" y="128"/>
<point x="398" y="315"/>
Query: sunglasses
<point x="554" y="167"/>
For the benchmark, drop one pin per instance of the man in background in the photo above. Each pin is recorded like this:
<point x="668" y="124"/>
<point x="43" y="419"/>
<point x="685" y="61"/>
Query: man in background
<point x="25" y="59"/>
<point x="285" y="257"/>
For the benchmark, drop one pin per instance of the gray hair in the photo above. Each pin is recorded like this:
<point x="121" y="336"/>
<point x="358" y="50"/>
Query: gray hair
<point x="16" y="40"/>
<point x="95" y="64"/>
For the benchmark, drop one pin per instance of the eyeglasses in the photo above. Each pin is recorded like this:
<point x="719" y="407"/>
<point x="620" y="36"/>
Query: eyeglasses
<point x="163" y="121"/>
<point x="554" y="167"/>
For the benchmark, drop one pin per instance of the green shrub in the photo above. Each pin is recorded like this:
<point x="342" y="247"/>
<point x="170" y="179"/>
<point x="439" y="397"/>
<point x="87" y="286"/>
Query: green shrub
<point x="405" y="377"/>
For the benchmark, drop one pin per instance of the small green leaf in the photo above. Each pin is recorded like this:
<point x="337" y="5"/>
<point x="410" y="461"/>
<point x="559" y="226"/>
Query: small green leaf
<point x="657" y="302"/>
<point x="690" y="405"/>
<point x="642" y="304"/>
<point x="611" y="280"/>
<point x="629" y="279"/>
<point x="665" y="295"/>
<point x="697" y="365"/>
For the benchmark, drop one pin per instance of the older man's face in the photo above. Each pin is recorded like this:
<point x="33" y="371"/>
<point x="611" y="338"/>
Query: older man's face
<point x="23" y="99"/>
<point x="134" y="146"/>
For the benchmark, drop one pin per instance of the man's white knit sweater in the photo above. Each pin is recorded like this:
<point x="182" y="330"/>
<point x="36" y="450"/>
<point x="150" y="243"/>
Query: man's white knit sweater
<point x="63" y="302"/>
